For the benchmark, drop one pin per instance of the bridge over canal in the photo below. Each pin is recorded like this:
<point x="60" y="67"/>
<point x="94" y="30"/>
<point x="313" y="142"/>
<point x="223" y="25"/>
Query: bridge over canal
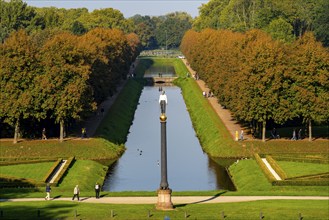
<point x="164" y="80"/>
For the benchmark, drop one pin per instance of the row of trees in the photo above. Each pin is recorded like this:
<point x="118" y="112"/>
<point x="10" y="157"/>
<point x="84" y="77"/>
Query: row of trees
<point x="61" y="75"/>
<point x="261" y="79"/>
<point x="284" y="19"/>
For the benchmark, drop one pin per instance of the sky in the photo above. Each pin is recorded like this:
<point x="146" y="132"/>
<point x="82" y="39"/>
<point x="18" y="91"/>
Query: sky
<point x="127" y="7"/>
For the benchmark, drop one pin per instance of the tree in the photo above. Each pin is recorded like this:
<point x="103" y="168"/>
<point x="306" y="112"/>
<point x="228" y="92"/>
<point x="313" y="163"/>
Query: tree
<point x="106" y="18"/>
<point x="19" y="68"/>
<point x="281" y="30"/>
<point x="210" y="14"/>
<point x="170" y="31"/>
<point x="14" y="15"/>
<point x="321" y="21"/>
<point x="145" y="29"/>
<point x="66" y="72"/>
<point x="310" y="76"/>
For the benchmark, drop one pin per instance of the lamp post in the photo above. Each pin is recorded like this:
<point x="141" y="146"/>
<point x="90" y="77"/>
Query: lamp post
<point x="164" y="192"/>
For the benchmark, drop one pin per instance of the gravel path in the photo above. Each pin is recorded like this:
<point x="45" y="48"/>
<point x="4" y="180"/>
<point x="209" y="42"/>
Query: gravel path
<point x="175" y="199"/>
<point x="225" y="115"/>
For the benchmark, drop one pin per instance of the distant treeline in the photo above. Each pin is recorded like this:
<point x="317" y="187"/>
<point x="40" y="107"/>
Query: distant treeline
<point x="284" y="20"/>
<point x="261" y="79"/>
<point x="154" y="32"/>
<point x="59" y="75"/>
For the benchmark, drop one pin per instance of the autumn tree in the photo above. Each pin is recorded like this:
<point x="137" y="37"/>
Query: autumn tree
<point x="19" y="67"/>
<point x="66" y="72"/>
<point x="310" y="76"/>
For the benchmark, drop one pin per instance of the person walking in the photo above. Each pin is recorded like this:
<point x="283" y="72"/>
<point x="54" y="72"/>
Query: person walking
<point x="44" y="137"/>
<point x="300" y="134"/>
<point x="241" y="135"/>
<point x="83" y="133"/>
<point x="97" y="190"/>
<point x="76" y="192"/>
<point x="48" y="190"/>
<point x="294" y="135"/>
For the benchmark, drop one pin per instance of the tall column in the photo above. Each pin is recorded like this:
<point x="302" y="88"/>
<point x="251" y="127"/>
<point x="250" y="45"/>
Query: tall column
<point x="164" y="182"/>
<point x="164" y="192"/>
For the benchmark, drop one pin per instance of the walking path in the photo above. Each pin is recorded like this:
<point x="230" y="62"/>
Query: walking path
<point x="93" y="122"/>
<point x="225" y="115"/>
<point x="175" y="199"/>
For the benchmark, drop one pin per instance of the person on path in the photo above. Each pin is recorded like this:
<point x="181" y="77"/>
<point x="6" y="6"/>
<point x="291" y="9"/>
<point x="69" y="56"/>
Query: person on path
<point x="76" y="192"/>
<point x="236" y="135"/>
<point x="294" y="135"/>
<point x="241" y="135"/>
<point x="163" y="101"/>
<point x="44" y="137"/>
<point x="83" y="133"/>
<point x="300" y="134"/>
<point x="97" y="190"/>
<point x="48" y="190"/>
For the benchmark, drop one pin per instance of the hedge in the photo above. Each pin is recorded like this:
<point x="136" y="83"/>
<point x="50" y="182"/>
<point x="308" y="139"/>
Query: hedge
<point x="9" y="181"/>
<point x="264" y="168"/>
<point x="276" y="167"/>
<point x="301" y="182"/>
<point x="51" y="170"/>
<point x="64" y="170"/>
<point x="311" y="176"/>
<point x="295" y="158"/>
<point x="15" y="162"/>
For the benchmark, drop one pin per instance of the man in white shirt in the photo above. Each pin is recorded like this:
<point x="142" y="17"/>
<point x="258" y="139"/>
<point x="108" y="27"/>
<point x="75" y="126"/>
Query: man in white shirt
<point x="163" y="102"/>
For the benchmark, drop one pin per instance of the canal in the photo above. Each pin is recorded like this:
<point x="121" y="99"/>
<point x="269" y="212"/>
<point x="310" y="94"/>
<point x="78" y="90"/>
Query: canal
<point x="189" y="168"/>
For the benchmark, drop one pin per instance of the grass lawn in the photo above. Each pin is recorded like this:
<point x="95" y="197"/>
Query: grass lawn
<point x="281" y="209"/>
<point x="294" y="169"/>
<point x="93" y="148"/>
<point x="36" y="171"/>
<point x="250" y="180"/>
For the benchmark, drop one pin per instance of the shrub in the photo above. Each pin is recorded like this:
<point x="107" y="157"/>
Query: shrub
<point x="51" y="170"/>
<point x="64" y="170"/>
<point x="276" y="167"/>
<point x="264" y="168"/>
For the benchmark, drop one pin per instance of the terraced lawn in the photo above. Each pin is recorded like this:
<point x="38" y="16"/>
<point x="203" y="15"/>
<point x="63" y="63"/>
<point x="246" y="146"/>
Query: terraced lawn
<point x="36" y="171"/>
<point x="294" y="169"/>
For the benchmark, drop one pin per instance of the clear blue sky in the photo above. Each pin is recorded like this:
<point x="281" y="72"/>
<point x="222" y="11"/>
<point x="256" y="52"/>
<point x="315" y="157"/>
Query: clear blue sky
<point x="127" y="7"/>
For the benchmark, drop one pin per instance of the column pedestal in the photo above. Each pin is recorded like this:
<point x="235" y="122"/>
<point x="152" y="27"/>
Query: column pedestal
<point x="164" y="200"/>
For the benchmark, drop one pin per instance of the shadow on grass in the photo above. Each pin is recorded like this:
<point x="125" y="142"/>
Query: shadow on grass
<point x="38" y="211"/>
<point x="202" y="201"/>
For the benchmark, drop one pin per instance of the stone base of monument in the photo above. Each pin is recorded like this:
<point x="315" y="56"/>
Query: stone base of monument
<point x="164" y="200"/>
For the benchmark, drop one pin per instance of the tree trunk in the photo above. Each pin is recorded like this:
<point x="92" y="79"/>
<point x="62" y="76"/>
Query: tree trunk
<point x="61" y="131"/>
<point x="310" y="130"/>
<point x="264" y="130"/>
<point x="16" y="131"/>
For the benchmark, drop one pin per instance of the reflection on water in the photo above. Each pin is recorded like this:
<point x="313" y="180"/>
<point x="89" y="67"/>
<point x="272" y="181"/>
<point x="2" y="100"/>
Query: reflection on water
<point x="164" y="71"/>
<point x="189" y="168"/>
